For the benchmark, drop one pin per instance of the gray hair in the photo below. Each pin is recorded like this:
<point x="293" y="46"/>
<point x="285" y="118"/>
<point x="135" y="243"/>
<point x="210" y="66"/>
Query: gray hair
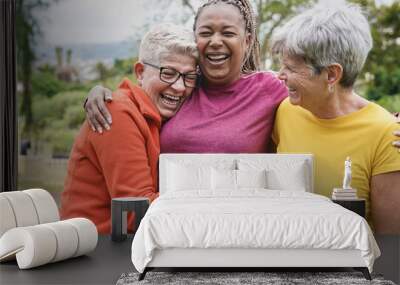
<point x="164" y="39"/>
<point x="326" y="35"/>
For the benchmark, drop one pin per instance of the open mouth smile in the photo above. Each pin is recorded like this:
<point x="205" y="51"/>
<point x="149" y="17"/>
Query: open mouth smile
<point x="217" y="58"/>
<point x="171" y="100"/>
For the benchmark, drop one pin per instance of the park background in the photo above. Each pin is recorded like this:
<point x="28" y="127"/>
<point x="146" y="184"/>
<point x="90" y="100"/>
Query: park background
<point x="65" y="47"/>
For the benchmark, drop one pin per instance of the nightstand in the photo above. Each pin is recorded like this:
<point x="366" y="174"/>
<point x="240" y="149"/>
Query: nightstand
<point x="119" y="209"/>
<point x="355" y="205"/>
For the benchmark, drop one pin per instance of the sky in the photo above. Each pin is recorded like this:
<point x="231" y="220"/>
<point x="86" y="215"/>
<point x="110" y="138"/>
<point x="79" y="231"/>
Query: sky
<point x="90" y="21"/>
<point x="105" y="21"/>
<point x="100" y="21"/>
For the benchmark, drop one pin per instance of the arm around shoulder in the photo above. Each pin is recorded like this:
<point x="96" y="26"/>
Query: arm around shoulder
<point x="123" y="157"/>
<point x="385" y="202"/>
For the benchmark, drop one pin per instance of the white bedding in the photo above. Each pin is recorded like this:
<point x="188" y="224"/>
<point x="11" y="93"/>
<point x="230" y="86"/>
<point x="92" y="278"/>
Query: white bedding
<point x="252" y="218"/>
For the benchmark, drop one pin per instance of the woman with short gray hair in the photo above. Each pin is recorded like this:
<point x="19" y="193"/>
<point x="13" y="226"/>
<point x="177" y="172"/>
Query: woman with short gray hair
<point x="123" y="161"/>
<point x="324" y="36"/>
<point x="322" y="52"/>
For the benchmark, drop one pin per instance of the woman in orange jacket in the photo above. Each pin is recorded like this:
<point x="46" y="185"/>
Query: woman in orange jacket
<point x="123" y="161"/>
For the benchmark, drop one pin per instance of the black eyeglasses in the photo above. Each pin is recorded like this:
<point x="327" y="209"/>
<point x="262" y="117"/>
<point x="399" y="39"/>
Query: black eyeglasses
<point x="170" y="75"/>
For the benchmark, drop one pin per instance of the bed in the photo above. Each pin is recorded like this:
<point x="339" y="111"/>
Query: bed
<point x="247" y="210"/>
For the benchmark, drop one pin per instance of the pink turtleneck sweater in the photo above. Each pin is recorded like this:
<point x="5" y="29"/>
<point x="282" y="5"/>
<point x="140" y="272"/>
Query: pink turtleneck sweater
<point x="237" y="118"/>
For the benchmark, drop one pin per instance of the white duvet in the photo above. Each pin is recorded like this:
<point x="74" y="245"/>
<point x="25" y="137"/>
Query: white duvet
<point x="250" y="219"/>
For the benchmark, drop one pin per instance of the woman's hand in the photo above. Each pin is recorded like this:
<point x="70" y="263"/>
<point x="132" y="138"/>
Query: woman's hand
<point x="97" y="113"/>
<point x="396" y="143"/>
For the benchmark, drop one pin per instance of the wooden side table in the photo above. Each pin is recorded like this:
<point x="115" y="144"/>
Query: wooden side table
<point x="355" y="205"/>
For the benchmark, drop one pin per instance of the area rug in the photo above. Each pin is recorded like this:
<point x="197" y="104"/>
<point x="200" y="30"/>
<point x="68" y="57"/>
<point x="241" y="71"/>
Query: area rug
<point x="244" y="278"/>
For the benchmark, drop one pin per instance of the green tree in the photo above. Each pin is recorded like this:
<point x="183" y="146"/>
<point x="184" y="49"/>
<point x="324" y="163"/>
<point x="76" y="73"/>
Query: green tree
<point x="270" y="15"/>
<point x="58" y="119"/>
<point x="27" y="31"/>
<point x="382" y="71"/>
<point x="46" y="83"/>
<point x="124" y="66"/>
<point x="59" y="56"/>
<point x="102" y="71"/>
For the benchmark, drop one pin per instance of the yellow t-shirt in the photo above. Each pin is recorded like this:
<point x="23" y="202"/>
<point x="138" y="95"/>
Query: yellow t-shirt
<point x="365" y="136"/>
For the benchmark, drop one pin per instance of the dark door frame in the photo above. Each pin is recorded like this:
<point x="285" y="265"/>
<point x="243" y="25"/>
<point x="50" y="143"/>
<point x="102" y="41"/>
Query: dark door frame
<point x="8" y="104"/>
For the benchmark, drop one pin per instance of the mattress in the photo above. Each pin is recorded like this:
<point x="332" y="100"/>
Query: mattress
<point x="251" y="219"/>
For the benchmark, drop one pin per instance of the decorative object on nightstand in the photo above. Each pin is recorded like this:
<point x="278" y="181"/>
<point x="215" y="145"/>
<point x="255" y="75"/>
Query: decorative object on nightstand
<point x="346" y="192"/>
<point x="347" y="196"/>
<point x="119" y="210"/>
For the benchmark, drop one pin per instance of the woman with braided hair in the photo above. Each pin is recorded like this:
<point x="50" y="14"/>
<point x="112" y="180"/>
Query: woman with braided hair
<point x="233" y="108"/>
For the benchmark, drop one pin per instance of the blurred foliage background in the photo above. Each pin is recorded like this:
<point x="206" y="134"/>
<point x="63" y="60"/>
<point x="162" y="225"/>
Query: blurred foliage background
<point x="51" y="96"/>
<point x="57" y="107"/>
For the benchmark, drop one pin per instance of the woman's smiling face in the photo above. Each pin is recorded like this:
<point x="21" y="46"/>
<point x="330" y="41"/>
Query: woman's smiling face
<point x="222" y="42"/>
<point x="305" y="88"/>
<point x="166" y="97"/>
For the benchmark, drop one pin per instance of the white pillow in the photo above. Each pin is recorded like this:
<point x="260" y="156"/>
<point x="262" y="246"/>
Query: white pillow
<point x="193" y="175"/>
<point x="281" y="174"/>
<point x="293" y="180"/>
<point x="236" y="179"/>
<point x="251" y="178"/>
<point x="183" y="178"/>
<point x="223" y="179"/>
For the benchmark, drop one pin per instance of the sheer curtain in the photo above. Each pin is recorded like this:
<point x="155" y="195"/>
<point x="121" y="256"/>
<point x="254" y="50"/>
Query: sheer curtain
<point x="8" y="110"/>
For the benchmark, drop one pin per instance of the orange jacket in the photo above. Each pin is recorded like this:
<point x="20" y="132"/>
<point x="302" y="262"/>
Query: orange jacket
<point x="121" y="162"/>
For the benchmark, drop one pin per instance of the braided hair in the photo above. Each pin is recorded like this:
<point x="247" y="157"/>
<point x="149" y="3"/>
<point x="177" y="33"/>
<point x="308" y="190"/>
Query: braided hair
<point x="251" y="61"/>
